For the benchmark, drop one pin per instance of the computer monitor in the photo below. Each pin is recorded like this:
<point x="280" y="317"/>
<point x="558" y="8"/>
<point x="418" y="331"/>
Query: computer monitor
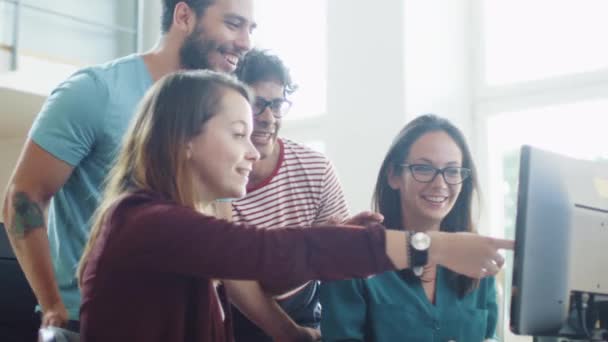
<point x="561" y="238"/>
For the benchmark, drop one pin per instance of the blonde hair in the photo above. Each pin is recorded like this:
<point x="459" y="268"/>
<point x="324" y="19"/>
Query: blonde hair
<point x="153" y="153"/>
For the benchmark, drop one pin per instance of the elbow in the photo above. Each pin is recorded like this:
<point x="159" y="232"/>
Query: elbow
<point x="23" y="211"/>
<point x="18" y="193"/>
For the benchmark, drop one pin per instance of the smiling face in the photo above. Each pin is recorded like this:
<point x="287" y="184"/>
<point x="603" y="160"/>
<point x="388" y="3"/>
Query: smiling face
<point x="221" y="156"/>
<point x="427" y="204"/>
<point x="266" y="125"/>
<point x="222" y="36"/>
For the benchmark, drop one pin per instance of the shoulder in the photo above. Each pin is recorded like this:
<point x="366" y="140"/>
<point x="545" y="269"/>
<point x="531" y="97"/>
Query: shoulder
<point x="150" y="213"/>
<point x="86" y="82"/>
<point x="125" y="69"/>
<point x="122" y="63"/>
<point x="142" y="202"/>
<point x="300" y="149"/>
<point x="295" y="150"/>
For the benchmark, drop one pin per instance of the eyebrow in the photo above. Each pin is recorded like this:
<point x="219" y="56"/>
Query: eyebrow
<point x="428" y="161"/>
<point x="239" y="122"/>
<point x="270" y="99"/>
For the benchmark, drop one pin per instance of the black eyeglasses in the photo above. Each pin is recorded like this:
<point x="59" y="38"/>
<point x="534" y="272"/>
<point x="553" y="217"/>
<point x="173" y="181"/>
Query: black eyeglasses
<point x="425" y="173"/>
<point x="278" y="107"/>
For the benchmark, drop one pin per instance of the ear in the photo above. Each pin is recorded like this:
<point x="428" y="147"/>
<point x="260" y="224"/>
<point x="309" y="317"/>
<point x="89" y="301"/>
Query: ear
<point x="394" y="179"/>
<point x="184" y="18"/>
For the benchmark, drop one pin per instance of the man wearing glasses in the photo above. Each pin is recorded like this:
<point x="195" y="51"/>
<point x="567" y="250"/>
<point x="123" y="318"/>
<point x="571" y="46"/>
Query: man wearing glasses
<point x="291" y="185"/>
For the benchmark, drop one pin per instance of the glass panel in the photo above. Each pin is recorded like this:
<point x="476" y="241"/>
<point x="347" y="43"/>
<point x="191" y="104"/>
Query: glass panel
<point x="56" y="38"/>
<point x="529" y="40"/>
<point x="286" y="29"/>
<point x="6" y="25"/>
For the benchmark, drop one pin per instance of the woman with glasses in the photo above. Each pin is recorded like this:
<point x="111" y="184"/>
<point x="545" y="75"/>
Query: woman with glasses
<point x="426" y="184"/>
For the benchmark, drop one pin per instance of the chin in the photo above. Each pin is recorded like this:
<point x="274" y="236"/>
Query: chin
<point x="239" y="193"/>
<point x="436" y="215"/>
<point x="234" y="193"/>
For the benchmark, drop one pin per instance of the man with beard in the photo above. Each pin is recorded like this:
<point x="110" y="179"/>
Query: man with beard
<point x="73" y="141"/>
<point x="291" y="185"/>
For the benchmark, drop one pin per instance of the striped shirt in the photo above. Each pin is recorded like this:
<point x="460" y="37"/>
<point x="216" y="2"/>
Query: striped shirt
<point x="303" y="190"/>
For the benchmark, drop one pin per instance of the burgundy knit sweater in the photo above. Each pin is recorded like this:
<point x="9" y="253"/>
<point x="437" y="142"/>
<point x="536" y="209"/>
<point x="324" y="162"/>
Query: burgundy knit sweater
<point x="149" y="276"/>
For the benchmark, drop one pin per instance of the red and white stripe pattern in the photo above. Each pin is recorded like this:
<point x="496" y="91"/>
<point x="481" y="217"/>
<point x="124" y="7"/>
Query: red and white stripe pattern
<point x="302" y="191"/>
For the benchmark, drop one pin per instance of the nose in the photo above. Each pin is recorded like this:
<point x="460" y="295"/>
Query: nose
<point x="243" y="41"/>
<point x="439" y="181"/>
<point x="266" y="116"/>
<point x="252" y="153"/>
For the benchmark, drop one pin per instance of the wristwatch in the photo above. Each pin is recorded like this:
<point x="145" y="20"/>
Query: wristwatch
<point x="419" y="246"/>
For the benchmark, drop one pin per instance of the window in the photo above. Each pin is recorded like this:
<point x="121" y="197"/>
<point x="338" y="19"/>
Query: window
<point x="530" y="40"/>
<point x="286" y="28"/>
<point x="54" y="38"/>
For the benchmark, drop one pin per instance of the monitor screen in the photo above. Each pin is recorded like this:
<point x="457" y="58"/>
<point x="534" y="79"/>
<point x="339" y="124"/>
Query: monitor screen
<point x="561" y="236"/>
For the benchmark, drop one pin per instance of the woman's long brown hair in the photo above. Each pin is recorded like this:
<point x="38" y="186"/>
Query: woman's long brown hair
<point x="153" y="153"/>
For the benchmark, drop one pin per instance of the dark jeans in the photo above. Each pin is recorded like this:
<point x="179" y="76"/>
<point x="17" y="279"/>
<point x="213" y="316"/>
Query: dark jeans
<point x="20" y="331"/>
<point x="303" y="307"/>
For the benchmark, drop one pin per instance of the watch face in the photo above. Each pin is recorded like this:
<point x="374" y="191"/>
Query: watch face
<point x="421" y="241"/>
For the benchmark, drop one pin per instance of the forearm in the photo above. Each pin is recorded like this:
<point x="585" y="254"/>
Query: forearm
<point x="396" y="248"/>
<point x="34" y="258"/>
<point x="26" y="230"/>
<point x="261" y="309"/>
<point x="465" y="253"/>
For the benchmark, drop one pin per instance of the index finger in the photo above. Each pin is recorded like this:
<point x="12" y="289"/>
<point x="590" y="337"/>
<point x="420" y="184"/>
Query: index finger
<point x="376" y="216"/>
<point x="504" y="244"/>
<point x="366" y="213"/>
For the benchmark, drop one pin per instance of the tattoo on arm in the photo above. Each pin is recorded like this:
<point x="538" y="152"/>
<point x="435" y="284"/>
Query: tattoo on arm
<point x="28" y="215"/>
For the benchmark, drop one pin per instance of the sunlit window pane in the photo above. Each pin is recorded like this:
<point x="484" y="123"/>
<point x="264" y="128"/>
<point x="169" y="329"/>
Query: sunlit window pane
<point x="529" y="40"/>
<point x="576" y="129"/>
<point x="286" y="28"/>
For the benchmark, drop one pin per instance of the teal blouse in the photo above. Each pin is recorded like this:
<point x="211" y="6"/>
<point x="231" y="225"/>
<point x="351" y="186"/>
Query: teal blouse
<point x="385" y="308"/>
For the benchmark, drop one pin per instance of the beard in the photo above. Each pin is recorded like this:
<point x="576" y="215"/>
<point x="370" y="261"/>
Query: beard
<point x="194" y="53"/>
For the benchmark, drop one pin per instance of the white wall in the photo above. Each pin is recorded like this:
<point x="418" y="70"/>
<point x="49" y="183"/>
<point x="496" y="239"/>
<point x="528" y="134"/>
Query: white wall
<point x="386" y="63"/>
<point x="438" y="60"/>
<point x="9" y="152"/>
<point x="365" y="90"/>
